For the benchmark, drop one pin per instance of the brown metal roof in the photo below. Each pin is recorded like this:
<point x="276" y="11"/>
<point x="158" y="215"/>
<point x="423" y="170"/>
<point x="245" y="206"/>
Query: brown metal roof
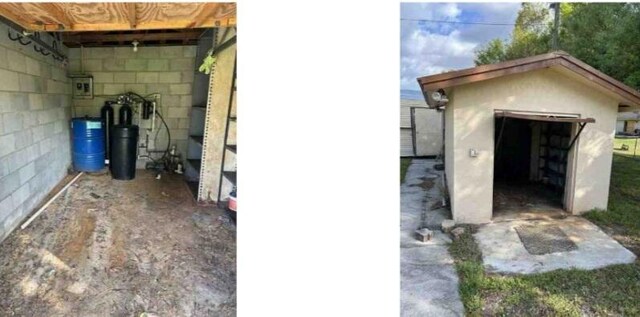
<point x="558" y="58"/>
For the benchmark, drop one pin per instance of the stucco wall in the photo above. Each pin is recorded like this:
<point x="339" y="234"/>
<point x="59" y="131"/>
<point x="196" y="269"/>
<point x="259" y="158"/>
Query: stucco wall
<point x="470" y="124"/>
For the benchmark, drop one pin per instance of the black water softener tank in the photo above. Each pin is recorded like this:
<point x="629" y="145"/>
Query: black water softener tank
<point x="106" y="113"/>
<point x="124" y="114"/>
<point x="124" y="142"/>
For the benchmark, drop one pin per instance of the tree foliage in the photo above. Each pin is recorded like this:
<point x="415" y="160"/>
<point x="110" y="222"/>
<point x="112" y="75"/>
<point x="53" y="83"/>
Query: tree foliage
<point x="604" y="35"/>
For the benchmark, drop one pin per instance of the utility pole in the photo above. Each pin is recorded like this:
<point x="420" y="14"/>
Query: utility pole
<point x="556" y="21"/>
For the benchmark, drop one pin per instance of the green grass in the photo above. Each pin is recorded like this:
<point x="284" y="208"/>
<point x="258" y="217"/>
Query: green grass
<point x="631" y="143"/>
<point x="404" y="165"/>
<point x="611" y="291"/>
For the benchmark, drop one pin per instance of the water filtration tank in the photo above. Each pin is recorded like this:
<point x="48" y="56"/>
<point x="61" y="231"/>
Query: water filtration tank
<point x="88" y="144"/>
<point x="106" y="113"/>
<point x="124" y="142"/>
<point x="124" y="114"/>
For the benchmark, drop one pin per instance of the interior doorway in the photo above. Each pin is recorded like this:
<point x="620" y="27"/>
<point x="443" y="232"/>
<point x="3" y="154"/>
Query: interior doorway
<point x="530" y="167"/>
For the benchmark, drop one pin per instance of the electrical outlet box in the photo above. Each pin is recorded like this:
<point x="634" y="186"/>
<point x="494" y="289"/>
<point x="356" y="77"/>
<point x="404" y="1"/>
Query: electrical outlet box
<point x="82" y="87"/>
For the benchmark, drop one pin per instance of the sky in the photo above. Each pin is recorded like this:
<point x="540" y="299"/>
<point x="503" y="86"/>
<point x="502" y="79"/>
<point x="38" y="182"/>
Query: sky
<point x="429" y="48"/>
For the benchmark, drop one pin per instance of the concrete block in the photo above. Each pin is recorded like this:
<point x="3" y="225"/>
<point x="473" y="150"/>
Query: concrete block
<point x="55" y="87"/>
<point x="424" y="234"/>
<point x="447" y="225"/>
<point x="3" y="57"/>
<point x="187" y="76"/>
<point x="20" y="195"/>
<point x="11" y="122"/>
<point x="23" y="138"/>
<point x="171" y="51"/>
<point x="113" y="64"/>
<point x="180" y="89"/>
<point x="28" y="83"/>
<point x="457" y="232"/>
<point x="58" y="73"/>
<point x="147" y="52"/>
<point x="73" y="53"/>
<point x="100" y="52"/>
<point x="146" y="78"/>
<point x="10" y="80"/>
<point x="189" y="51"/>
<point x="37" y="133"/>
<point x="33" y="66"/>
<point x="45" y="70"/>
<point x="125" y="52"/>
<point x="137" y="88"/>
<point x="102" y="77"/>
<point x="5" y="163"/>
<point x="135" y="65"/>
<point x="162" y="89"/>
<point x="9" y="184"/>
<point x="17" y="60"/>
<point x="183" y="123"/>
<point x="98" y="89"/>
<point x="178" y="112"/>
<point x="6" y="104"/>
<point x="124" y="78"/>
<point x="186" y="101"/>
<point x="21" y="100"/>
<point x="183" y="64"/>
<point x="170" y="77"/>
<point x="158" y="64"/>
<point x="92" y="65"/>
<point x="113" y="89"/>
<point x="35" y="102"/>
<point x="29" y="119"/>
<point x="6" y="207"/>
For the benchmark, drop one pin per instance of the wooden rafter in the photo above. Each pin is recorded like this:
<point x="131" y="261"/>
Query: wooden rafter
<point x="118" y="16"/>
<point x="187" y="36"/>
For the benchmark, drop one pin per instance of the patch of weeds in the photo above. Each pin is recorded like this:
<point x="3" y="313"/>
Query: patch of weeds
<point x="404" y="165"/>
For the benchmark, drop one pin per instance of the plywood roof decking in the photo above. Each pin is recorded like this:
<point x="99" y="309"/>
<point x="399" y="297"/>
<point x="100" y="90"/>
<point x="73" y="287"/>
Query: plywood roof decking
<point x="112" y="16"/>
<point x="554" y="59"/>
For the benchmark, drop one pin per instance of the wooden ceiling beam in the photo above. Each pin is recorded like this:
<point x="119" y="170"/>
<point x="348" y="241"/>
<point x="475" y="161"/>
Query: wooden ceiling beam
<point x="141" y="37"/>
<point x="132" y="15"/>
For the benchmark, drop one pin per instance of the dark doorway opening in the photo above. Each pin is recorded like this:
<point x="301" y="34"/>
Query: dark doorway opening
<point x="530" y="166"/>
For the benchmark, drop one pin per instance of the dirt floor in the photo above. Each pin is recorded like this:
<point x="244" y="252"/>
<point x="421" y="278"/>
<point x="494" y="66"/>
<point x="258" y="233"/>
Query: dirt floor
<point x="525" y="201"/>
<point x="121" y="248"/>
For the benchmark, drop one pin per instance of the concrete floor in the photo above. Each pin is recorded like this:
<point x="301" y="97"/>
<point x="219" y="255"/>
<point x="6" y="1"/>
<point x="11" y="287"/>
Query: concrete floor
<point x="121" y="248"/>
<point x="429" y="282"/>
<point x="504" y="252"/>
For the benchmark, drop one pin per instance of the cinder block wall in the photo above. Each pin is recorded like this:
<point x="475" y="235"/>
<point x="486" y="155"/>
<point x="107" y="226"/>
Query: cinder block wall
<point x="168" y="70"/>
<point x="35" y="110"/>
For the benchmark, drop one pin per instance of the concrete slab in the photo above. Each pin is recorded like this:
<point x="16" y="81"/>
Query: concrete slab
<point x="504" y="252"/>
<point x="429" y="283"/>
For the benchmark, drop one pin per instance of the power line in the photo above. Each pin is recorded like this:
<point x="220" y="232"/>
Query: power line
<point x="459" y="22"/>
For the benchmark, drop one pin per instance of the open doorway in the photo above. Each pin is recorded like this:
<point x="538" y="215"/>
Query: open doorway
<point x="530" y="167"/>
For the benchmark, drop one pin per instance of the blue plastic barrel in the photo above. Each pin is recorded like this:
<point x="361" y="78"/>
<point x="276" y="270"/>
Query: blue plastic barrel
<point x="88" y="144"/>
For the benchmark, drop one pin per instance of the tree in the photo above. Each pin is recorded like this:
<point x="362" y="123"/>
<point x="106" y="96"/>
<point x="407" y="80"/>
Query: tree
<point x="492" y="52"/>
<point x="604" y="35"/>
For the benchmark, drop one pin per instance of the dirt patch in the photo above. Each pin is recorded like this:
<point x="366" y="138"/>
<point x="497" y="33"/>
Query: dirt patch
<point x="120" y="248"/>
<point x="81" y="232"/>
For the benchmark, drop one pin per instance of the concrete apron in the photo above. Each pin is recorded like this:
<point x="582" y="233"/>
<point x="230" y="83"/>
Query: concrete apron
<point x="504" y="252"/>
<point x="429" y="282"/>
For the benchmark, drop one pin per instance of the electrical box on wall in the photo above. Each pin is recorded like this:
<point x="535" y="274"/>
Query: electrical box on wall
<point x="82" y="87"/>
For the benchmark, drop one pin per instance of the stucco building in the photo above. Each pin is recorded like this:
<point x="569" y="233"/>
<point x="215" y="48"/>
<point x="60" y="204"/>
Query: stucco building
<point x="534" y="134"/>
